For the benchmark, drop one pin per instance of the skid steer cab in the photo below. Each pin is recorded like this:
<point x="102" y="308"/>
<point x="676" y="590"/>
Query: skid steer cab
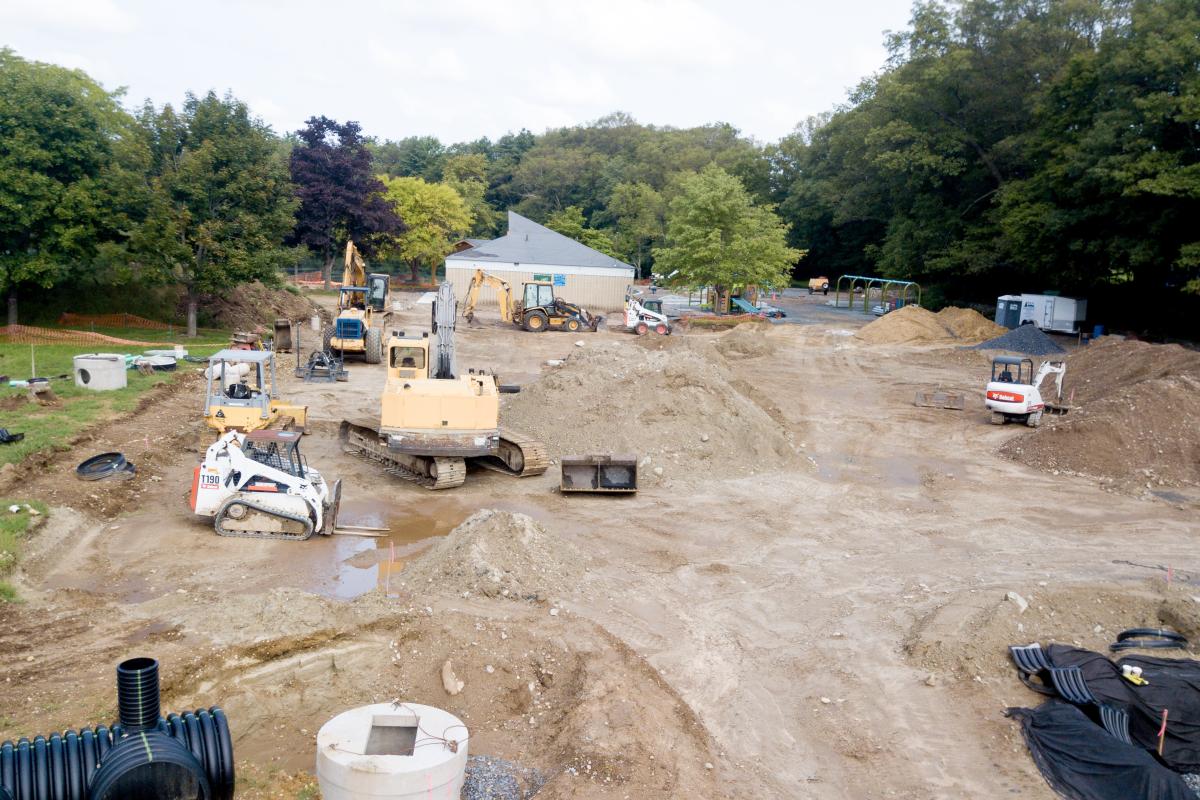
<point x="241" y="394"/>
<point x="257" y="485"/>
<point x="1014" y="392"/>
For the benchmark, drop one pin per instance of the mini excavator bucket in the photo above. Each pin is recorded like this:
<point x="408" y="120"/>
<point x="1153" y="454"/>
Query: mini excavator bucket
<point x="602" y="474"/>
<point x="940" y="399"/>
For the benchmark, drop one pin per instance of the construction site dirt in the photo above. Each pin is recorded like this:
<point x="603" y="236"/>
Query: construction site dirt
<point x="805" y="598"/>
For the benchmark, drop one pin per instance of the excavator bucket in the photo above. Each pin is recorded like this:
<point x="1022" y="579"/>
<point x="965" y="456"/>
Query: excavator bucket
<point x="939" y="399"/>
<point x="602" y="474"/>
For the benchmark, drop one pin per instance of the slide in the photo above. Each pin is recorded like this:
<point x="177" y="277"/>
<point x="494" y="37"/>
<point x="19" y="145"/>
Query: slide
<point x="739" y="302"/>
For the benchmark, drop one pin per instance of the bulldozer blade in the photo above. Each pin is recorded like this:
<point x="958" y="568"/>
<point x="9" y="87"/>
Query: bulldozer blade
<point x="599" y="473"/>
<point x="953" y="401"/>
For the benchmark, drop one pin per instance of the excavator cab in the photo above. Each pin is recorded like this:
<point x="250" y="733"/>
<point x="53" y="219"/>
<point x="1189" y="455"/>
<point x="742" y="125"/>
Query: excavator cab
<point x="1011" y="369"/>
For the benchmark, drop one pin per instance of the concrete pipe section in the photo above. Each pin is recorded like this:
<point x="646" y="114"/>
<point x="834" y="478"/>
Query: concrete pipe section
<point x="391" y="750"/>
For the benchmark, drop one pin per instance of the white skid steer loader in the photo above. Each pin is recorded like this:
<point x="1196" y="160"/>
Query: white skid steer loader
<point x="257" y="485"/>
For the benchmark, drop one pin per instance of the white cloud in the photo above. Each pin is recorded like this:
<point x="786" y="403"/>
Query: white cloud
<point x="460" y="69"/>
<point x="101" y="16"/>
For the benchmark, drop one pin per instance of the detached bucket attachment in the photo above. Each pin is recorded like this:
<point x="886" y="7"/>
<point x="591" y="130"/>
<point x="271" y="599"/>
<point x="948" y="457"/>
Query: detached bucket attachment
<point x="602" y="474"/>
<point x="939" y="399"/>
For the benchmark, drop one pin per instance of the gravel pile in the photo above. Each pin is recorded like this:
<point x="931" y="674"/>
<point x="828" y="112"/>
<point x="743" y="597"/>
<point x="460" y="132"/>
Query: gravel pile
<point x="490" y="778"/>
<point x="1027" y="339"/>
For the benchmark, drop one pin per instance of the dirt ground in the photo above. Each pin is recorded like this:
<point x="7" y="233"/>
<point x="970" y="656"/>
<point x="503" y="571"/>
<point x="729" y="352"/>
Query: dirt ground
<point x="827" y="625"/>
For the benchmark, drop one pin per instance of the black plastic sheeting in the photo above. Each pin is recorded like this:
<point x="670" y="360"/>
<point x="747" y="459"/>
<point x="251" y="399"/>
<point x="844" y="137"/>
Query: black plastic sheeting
<point x="1082" y="761"/>
<point x="1174" y="684"/>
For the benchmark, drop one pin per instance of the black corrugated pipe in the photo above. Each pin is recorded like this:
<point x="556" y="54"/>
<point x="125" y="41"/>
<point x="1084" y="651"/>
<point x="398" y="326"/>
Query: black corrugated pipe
<point x="137" y="694"/>
<point x="187" y="755"/>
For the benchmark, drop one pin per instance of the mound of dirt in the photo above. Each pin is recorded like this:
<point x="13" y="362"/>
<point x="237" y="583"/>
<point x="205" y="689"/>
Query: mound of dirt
<point x="680" y="406"/>
<point x="1135" y="419"/>
<point x="255" y="306"/>
<point x="1025" y="339"/>
<point x="969" y="325"/>
<point x="748" y="340"/>
<point x="498" y="554"/>
<point x="908" y="325"/>
<point x="969" y="635"/>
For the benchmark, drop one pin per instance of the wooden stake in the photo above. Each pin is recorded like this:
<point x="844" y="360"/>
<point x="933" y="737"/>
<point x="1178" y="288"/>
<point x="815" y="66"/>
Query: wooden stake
<point x="1162" y="732"/>
<point x="362" y="528"/>
<point x="340" y="532"/>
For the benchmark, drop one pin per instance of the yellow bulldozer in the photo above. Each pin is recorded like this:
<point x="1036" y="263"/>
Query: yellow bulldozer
<point x="433" y="419"/>
<point x="361" y="298"/>
<point x="537" y="309"/>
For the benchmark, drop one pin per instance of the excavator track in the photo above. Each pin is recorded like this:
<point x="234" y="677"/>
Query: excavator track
<point x="361" y="438"/>
<point x="238" y="516"/>
<point x="519" y="455"/>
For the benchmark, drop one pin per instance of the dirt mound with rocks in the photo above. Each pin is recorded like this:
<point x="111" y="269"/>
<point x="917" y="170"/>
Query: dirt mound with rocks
<point x="1135" y="418"/>
<point x="498" y="554"/>
<point x="681" y="407"/>
<point x="908" y="325"/>
<point x="1027" y="340"/>
<point x="748" y="340"/>
<point x="969" y="325"/>
<point x="254" y="306"/>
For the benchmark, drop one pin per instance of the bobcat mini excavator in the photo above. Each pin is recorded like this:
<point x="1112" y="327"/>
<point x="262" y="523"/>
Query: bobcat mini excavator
<point x="433" y="418"/>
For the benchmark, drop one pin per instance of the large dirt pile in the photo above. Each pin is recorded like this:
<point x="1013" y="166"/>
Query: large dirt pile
<point x="255" y="305"/>
<point x="680" y="406"/>
<point x="969" y="325"/>
<point x="916" y="325"/>
<point x="908" y="325"/>
<point x="498" y="554"/>
<point x="1135" y="419"/>
<point x="748" y="340"/>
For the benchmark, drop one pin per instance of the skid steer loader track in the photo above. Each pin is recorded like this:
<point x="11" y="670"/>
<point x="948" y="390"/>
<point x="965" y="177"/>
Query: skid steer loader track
<point x="519" y="455"/>
<point x="361" y="437"/>
<point x="248" y="518"/>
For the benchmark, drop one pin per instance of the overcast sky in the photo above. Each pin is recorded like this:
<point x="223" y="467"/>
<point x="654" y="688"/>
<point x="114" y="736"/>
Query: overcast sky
<point x="461" y="69"/>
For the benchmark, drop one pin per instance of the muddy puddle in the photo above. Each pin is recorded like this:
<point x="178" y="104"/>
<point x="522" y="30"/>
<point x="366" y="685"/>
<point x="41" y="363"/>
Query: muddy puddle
<point x="373" y="560"/>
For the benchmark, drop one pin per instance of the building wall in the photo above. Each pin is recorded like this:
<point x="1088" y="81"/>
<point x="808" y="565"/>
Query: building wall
<point x="594" y="288"/>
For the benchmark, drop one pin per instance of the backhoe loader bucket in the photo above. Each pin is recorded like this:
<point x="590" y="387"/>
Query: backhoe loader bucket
<point x="602" y="474"/>
<point x="939" y="399"/>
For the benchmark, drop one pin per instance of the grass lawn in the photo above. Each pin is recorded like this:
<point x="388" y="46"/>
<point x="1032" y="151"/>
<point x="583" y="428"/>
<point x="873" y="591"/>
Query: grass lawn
<point x="12" y="528"/>
<point x="51" y="427"/>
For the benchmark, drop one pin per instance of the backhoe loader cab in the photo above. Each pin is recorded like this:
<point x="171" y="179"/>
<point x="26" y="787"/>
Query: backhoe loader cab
<point x="241" y="393"/>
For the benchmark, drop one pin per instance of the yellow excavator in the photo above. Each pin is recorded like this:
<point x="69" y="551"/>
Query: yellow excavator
<point x="537" y="309"/>
<point x="433" y="418"/>
<point x="360" y="298"/>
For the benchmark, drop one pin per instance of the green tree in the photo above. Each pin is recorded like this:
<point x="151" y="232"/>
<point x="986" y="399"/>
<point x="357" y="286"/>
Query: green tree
<point x="436" y="217"/>
<point x="570" y="223"/>
<point x="466" y="173"/>
<point x="70" y="178"/>
<point x="717" y="236"/>
<point x="640" y="216"/>
<point x="221" y="200"/>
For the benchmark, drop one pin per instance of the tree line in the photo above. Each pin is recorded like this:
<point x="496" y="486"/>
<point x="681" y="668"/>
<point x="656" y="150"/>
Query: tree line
<point x="1007" y="145"/>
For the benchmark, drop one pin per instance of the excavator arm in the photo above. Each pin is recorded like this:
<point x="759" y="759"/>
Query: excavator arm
<point x="503" y="295"/>
<point x="1055" y="368"/>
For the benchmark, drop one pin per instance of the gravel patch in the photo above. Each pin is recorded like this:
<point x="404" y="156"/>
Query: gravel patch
<point x="491" y="778"/>
<point x="1027" y="339"/>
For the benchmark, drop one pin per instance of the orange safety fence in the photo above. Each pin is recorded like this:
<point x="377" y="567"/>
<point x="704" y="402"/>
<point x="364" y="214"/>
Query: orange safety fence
<point x="28" y="334"/>
<point x="112" y="321"/>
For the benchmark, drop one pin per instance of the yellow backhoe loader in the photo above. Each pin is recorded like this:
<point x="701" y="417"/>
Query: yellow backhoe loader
<point x="537" y="309"/>
<point x="361" y="298"/>
<point x="433" y="419"/>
